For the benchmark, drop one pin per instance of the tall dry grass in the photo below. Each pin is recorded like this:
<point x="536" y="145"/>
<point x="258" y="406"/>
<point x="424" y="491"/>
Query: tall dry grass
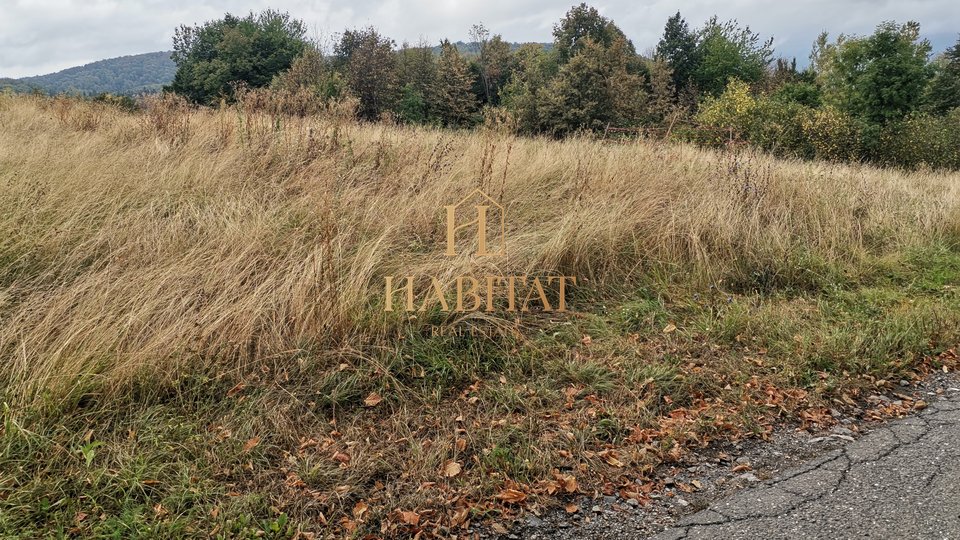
<point x="178" y="239"/>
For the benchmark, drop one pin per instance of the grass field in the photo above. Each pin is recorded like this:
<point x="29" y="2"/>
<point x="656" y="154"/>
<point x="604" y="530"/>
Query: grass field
<point x="194" y="341"/>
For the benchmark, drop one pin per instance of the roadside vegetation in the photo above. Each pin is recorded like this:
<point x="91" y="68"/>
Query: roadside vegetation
<point x="194" y="341"/>
<point x="886" y="98"/>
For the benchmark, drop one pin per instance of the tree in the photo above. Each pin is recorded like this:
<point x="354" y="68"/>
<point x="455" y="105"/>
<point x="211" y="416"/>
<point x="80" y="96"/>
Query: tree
<point x="581" y="23"/>
<point x="367" y="59"/>
<point x="594" y="89"/>
<point x="877" y="78"/>
<point x="943" y="92"/>
<point x="533" y="70"/>
<point x="493" y="62"/>
<point x="678" y="49"/>
<point x="454" y="99"/>
<point x="727" y="51"/>
<point x="314" y="72"/>
<point x="417" y="75"/>
<point x="212" y="57"/>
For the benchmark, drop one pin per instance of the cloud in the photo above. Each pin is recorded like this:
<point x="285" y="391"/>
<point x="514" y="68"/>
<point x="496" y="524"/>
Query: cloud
<point x="41" y="36"/>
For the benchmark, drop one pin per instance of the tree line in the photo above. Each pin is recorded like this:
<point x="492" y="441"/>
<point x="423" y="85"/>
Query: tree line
<point x="882" y="97"/>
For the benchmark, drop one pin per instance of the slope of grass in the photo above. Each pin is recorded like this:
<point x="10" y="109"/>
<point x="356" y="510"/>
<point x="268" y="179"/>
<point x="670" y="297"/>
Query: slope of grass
<point x="194" y="341"/>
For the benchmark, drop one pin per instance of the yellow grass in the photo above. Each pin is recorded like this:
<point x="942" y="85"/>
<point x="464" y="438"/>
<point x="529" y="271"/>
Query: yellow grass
<point x="184" y="238"/>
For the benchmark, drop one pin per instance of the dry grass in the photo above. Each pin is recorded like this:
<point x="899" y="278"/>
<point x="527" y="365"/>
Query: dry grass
<point x="140" y="250"/>
<point x="130" y="247"/>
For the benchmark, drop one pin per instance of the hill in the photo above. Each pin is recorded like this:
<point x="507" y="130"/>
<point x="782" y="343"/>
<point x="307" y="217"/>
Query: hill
<point x="133" y="74"/>
<point x="196" y="341"/>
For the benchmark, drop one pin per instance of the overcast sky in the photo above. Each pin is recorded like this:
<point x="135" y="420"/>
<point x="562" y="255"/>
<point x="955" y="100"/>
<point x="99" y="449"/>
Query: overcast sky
<point x="43" y="36"/>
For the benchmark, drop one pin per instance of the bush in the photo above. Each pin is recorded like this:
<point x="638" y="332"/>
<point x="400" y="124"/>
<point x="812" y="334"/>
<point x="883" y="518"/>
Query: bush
<point x="921" y="140"/>
<point x="832" y="134"/>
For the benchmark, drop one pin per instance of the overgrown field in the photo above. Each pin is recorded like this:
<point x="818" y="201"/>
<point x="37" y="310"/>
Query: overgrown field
<point x="194" y="342"/>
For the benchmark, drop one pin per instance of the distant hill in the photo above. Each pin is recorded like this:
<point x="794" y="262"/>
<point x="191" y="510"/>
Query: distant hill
<point x="133" y="74"/>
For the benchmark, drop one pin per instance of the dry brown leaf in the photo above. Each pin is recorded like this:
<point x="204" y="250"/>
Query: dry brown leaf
<point x="372" y="400"/>
<point x="513" y="496"/>
<point x="236" y="389"/>
<point x="341" y="457"/>
<point x="571" y="508"/>
<point x="498" y="528"/>
<point x="251" y="444"/>
<point x="610" y="458"/>
<point x="451" y="469"/>
<point x="742" y="467"/>
<point x="669" y="328"/>
<point x="359" y="509"/>
<point x="410" y="518"/>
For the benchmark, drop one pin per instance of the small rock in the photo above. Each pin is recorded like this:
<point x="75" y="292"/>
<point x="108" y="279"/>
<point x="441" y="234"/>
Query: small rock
<point x="609" y="499"/>
<point x="682" y="502"/>
<point x="843" y="437"/>
<point x="596" y="509"/>
<point x="534" y="521"/>
<point x="563" y="525"/>
<point x="841" y="431"/>
<point x="816" y="440"/>
<point x="904" y="382"/>
<point x="633" y="502"/>
<point x="748" y="477"/>
<point x="743" y="459"/>
<point x="668" y="481"/>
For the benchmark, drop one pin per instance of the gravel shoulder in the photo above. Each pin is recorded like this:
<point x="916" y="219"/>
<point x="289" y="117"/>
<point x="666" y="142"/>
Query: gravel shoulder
<point x="883" y="479"/>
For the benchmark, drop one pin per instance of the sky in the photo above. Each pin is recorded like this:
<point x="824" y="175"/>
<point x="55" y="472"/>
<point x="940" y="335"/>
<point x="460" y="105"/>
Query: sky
<point x="43" y="36"/>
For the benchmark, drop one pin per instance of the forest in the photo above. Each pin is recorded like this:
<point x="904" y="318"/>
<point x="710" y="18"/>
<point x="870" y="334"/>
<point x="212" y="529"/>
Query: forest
<point x="884" y="98"/>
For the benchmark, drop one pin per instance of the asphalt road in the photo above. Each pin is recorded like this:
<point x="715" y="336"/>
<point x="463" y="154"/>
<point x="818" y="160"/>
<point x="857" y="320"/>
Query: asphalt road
<point x="901" y="480"/>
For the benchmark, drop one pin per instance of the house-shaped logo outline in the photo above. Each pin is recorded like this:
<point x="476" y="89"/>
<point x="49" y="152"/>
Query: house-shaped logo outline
<point x="452" y="228"/>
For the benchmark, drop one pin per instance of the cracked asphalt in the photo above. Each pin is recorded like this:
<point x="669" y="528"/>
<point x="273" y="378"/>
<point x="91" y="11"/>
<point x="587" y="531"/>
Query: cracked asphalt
<point x="901" y="480"/>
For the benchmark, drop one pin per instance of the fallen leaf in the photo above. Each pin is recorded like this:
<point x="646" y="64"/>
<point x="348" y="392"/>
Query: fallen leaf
<point x="498" y="528"/>
<point x="236" y="389"/>
<point x="251" y="444"/>
<point x="587" y="340"/>
<point x="571" y="508"/>
<point x="372" y="400"/>
<point x="669" y="328"/>
<point x="611" y="458"/>
<point x="410" y="518"/>
<point x="512" y="496"/>
<point x="359" y="509"/>
<point x="341" y="457"/>
<point x="742" y="467"/>
<point x="451" y="469"/>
